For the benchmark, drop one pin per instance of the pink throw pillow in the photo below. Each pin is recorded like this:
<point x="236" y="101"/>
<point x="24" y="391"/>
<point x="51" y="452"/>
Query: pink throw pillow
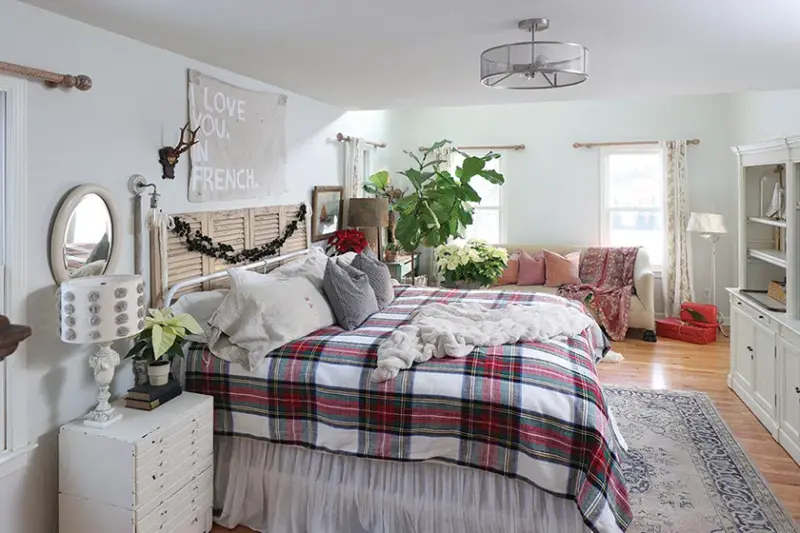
<point x="562" y="270"/>
<point x="511" y="272"/>
<point x="531" y="269"/>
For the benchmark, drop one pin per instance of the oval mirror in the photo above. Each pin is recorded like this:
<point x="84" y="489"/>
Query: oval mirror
<point x="84" y="240"/>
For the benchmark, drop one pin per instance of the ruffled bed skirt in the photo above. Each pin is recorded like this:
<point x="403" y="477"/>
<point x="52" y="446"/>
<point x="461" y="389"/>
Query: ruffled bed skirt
<point x="286" y="489"/>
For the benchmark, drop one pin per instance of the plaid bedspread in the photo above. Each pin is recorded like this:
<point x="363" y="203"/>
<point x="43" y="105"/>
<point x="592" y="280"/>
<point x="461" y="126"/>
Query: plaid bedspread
<point x="532" y="411"/>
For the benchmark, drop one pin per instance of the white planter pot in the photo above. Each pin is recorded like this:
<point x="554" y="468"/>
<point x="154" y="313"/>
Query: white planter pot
<point x="158" y="374"/>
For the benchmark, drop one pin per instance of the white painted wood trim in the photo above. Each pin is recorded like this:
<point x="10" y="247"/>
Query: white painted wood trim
<point x="16" y="281"/>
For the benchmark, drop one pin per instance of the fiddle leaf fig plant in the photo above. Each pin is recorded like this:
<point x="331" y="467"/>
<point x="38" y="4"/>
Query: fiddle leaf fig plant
<point x="438" y="208"/>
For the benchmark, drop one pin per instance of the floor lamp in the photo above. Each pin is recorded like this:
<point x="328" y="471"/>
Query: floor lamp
<point x="710" y="226"/>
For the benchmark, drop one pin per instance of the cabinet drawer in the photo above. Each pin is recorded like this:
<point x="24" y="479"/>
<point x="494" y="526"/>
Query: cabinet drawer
<point x="154" y="442"/>
<point x="162" y="485"/>
<point x="190" y="499"/>
<point x="753" y="312"/>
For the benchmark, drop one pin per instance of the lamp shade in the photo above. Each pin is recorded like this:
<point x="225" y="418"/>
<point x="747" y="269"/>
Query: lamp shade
<point x="101" y="308"/>
<point x="368" y="213"/>
<point x="710" y="223"/>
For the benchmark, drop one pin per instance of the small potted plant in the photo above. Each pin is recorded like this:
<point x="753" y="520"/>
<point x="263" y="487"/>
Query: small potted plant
<point x="161" y="341"/>
<point x="391" y="251"/>
<point x="471" y="265"/>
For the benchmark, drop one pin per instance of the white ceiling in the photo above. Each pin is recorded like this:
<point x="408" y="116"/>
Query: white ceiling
<point x="395" y="53"/>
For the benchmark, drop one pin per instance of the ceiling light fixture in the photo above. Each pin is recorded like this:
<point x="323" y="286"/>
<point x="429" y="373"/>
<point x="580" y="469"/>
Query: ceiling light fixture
<point x="534" y="64"/>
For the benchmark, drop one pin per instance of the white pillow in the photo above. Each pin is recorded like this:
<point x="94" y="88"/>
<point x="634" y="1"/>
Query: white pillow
<point x="312" y="266"/>
<point x="201" y="305"/>
<point x="264" y="312"/>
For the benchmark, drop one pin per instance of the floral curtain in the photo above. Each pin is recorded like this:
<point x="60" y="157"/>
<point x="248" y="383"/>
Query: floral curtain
<point x="353" y="173"/>
<point x="677" y="269"/>
<point x="427" y="258"/>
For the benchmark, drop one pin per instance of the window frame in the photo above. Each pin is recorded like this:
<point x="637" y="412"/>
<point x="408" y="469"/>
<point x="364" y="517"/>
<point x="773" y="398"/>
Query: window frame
<point x="605" y="208"/>
<point x="14" y="193"/>
<point x="501" y="212"/>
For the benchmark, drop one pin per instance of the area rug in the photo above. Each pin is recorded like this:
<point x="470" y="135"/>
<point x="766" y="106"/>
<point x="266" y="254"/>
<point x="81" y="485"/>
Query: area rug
<point x="684" y="470"/>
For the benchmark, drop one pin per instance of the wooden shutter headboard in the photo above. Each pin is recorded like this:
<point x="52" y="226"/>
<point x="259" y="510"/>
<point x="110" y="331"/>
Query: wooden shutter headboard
<point x="241" y="228"/>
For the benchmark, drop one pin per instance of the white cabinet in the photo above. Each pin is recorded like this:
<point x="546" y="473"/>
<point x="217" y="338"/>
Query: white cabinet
<point x="150" y="472"/>
<point x="754" y="362"/>
<point x="789" y="433"/>
<point x="742" y="333"/>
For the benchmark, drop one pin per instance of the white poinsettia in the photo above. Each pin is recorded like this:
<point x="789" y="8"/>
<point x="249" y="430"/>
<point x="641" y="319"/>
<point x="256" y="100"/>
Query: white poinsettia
<point x="166" y="329"/>
<point x="471" y="261"/>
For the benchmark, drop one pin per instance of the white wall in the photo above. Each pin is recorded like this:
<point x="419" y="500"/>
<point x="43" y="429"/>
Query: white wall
<point x="759" y="116"/>
<point x="552" y="189"/>
<point x="137" y="104"/>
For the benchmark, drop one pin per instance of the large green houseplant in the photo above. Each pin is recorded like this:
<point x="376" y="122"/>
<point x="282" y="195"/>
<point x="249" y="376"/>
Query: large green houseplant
<point x="439" y="206"/>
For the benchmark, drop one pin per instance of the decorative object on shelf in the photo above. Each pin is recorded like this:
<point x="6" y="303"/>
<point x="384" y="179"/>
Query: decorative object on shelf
<point x="160" y="341"/>
<point x="197" y="242"/>
<point x="347" y="240"/>
<point x="242" y="134"/>
<point x="326" y="207"/>
<point x="391" y="251"/>
<point x="710" y="226"/>
<point x="86" y="235"/>
<point x="147" y="397"/>
<point x="471" y="265"/>
<point x="100" y="310"/>
<point x="438" y="208"/>
<point x="380" y="184"/>
<point x="168" y="156"/>
<point x="10" y="336"/>
<point x="534" y="64"/>
<point x="370" y="215"/>
<point x="51" y="79"/>
<point x="777" y="291"/>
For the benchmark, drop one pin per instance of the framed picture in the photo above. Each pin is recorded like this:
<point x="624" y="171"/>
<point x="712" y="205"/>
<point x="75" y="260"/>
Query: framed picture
<point x="326" y="206"/>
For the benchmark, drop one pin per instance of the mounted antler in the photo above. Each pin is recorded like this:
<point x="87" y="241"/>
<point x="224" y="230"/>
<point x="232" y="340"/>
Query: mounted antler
<point x="168" y="156"/>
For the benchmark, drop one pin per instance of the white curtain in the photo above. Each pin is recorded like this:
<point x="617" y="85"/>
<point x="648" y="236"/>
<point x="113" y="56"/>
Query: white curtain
<point x="353" y="173"/>
<point x="446" y="154"/>
<point x="677" y="271"/>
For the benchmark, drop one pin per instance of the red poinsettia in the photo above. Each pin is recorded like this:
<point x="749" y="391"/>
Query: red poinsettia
<point x="348" y="240"/>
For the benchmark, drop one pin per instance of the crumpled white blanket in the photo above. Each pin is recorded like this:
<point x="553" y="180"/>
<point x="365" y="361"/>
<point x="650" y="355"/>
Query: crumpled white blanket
<point x="454" y="330"/>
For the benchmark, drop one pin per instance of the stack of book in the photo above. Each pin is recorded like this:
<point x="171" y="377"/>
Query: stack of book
<point x="147" y="397"/>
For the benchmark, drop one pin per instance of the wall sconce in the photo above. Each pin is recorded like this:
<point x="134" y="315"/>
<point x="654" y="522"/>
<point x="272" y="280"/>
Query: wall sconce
<point x="156" y="219"/>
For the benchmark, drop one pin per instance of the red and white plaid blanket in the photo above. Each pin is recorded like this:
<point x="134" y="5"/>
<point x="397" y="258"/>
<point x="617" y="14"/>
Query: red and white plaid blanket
<point x="607" y="286"/>
<point x="532" y="411"/>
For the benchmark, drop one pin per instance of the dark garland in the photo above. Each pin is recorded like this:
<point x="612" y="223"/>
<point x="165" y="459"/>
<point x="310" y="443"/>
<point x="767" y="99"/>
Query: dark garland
<point x="197" y="242"/>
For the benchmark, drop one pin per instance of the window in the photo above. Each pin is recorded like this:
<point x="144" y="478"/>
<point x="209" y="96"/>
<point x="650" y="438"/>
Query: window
<point x="632" y="200"/>
<point x="14" y="445"/>
<point x="487" y="219"/>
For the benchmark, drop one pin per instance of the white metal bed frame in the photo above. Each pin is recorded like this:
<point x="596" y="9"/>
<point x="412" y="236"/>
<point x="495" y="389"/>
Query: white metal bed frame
<point x="223" y="274"/>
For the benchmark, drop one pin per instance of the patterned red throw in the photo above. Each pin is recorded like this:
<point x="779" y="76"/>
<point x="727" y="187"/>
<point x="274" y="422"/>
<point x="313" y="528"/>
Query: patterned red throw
<point x="606" y="286"/>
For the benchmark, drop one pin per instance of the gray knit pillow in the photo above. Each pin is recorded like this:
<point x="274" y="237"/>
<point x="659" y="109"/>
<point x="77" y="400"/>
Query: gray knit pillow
<point x="349" y="293"/>
<point x="379" y="278"/>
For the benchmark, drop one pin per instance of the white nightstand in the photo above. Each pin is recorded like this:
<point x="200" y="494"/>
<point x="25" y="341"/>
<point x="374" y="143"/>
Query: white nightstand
<point x="152" y="471"/>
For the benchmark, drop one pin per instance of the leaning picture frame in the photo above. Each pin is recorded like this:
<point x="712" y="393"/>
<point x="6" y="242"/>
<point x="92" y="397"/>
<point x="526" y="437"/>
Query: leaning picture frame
<point x="326" y="211"/>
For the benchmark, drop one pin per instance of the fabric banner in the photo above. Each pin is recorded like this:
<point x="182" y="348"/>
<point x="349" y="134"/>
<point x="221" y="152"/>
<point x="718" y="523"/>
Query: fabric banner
<point x="241" y="151"/>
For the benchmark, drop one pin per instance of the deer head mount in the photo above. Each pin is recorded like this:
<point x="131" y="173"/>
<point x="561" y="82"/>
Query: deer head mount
<point x="169" y="155"/>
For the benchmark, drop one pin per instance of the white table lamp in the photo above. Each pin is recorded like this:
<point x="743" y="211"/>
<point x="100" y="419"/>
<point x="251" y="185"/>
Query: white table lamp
<point x="101" y="310"/>
<point x="710" y="226"/>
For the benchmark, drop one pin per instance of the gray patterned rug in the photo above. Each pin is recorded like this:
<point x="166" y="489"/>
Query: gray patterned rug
<point x="685" y="471"/>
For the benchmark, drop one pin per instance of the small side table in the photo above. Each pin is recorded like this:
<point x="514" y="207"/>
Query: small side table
<point x="401" y="267"/>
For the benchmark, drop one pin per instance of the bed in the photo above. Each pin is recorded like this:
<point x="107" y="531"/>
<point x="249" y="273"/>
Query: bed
<point x="514" y="438"/>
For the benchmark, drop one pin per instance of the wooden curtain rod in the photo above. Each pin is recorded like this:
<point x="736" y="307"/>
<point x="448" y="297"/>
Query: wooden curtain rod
<point x="498" y="147"/>
<point x="346" y="138"/>
<point x="626" y="143"/>
<point x="51" y="79"/>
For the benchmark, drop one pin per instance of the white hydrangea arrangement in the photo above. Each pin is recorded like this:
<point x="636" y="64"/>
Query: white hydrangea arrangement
<point x="471" y="262"/>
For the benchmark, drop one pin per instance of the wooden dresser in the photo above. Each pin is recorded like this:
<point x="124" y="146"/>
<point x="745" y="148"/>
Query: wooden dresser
<point x="150" y="472"/>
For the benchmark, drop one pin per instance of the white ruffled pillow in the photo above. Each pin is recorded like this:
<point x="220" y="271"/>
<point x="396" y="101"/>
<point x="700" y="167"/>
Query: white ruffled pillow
<point x="264" y="312"/>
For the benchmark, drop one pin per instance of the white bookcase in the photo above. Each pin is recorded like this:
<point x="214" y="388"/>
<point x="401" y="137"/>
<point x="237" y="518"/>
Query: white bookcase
<point x="765" y="334"/>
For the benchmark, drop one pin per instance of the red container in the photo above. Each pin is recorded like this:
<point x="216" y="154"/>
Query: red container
<point x="674" y="328"/>
<point x="699" y="314"/>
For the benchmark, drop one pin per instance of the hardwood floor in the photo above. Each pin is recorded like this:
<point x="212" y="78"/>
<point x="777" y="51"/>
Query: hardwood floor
<point x="676" y="365"/>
